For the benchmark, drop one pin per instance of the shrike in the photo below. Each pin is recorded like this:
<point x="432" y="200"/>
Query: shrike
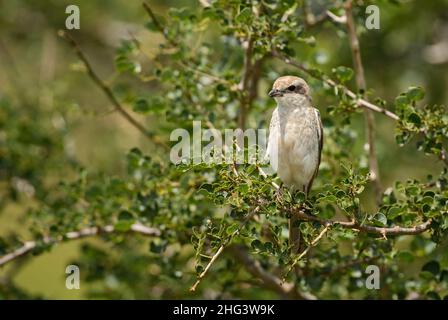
<point x="295" y="141"/>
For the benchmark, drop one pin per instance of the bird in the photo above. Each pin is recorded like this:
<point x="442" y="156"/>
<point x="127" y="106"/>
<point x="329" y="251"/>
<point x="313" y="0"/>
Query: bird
<point x="295" y="141"/>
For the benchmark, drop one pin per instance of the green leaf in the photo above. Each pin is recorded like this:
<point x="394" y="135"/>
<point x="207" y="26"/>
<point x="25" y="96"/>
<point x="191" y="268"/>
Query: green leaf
<point x="268" y="246"/>
<point x="381" y="219"/>
<point x="412" y="190"/>
<point x="231" y="229"/>
<point x="426" y="275"/>
<point x="125" y="216"/>
<point x="394" y="212"/>
<point x="415" y="93"/>
<point x="123" y="225"/>
<point x="405" y="256"/>
<point x="244" y="16"/>
<point x="199" y="269"/>
<point x="243" y="188"/>
<point x="401" y="102"/>
<point x="156" y="248"/>
<point x="402" y="138"/>
<point x="299" y="196"/>
<point x="444" y="276"/>
<point x="141" y="105"/>
<point x="428" y="199"/>
<point x="328" y="212"/>
<point x="257" y="245"/>
<point x="344" y="74"/>
<point x="311" y="41"/>
<point x="415" y="119"/>
<point x="123" y="64"/>
<point x="432" y="267"/>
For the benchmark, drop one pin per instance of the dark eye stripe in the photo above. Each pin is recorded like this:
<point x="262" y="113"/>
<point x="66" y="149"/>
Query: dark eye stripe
<point x="292" y="88"/>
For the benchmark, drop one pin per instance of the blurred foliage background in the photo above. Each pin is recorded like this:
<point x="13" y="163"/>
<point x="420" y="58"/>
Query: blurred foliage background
<point x="54" y="121"/>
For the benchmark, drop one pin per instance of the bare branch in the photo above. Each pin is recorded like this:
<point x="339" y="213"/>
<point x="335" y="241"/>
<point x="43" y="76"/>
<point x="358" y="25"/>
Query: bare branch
<point x="244" y="84"/>
<point x="360" y="102"/>
<point x="336" y="18"/>
<point x="205" y="3"/>
<point x="157" y="24"/>
<point x="368" y="114"/>
<point x="384" y="231"/>
<point x="343" y="267"/>
<point x="73" y="235"/>
<point x="107" y="91"/>
<point x="270" y="281"/>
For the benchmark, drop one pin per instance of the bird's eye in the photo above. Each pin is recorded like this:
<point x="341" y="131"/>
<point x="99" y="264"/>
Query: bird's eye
<point x="292" y="88"/>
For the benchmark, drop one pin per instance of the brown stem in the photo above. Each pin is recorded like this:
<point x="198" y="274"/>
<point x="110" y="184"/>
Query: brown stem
<point x="270" y="281"/>
<point x="348" y="265"/>
<point x="368" y="114"/>
<point x="87" y="232"/>
<point x="220" y="250"/>
<point x="157" y="24"/>
<point x="360" y="102"/>
<point x="384" y="231"/>
<point x="107" y="91"/>
<point x="244" y="84"/>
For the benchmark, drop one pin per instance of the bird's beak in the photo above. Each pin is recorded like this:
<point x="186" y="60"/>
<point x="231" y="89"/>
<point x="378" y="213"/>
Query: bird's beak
<point x="275" y="93"/>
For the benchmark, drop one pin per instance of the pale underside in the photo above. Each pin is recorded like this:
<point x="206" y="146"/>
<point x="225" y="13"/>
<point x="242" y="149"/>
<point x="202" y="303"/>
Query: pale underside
<point x="295" y="142"/>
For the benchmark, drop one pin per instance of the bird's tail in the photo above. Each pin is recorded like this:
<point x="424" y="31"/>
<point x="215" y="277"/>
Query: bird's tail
<point x="295" y="237"/>
<point x="296" y="241"/>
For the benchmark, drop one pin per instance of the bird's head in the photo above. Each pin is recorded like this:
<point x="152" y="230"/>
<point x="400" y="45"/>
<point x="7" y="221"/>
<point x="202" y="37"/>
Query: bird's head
<point x="290" y="90"/>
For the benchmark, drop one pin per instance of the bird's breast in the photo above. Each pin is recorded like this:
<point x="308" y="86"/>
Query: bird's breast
<point x="298" y="145"/>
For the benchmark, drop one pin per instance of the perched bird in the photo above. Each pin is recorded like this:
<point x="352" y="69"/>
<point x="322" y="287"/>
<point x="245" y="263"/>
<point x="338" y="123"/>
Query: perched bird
<point x="295" y="140"/>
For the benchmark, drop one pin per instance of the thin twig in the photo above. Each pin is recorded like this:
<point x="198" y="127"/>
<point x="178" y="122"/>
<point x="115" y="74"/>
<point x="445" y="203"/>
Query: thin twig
<point x="87" y="232"/>
<point x="205" y="74"/>
<point x="368" y="114"/>
<point x="158" y="25"/>
<point x="224" y="244"/>
<point x="343" y="267"/>
<point x="336" y="18"/>
<point x="312" y="20"/>
<point x="107" y="91"/>
<point x="360" y="102"/>
<point x="304" y="252"/>
<point x="384" y="231"/>
<point x="244" y="84"/>
<point x="270" y="281"/>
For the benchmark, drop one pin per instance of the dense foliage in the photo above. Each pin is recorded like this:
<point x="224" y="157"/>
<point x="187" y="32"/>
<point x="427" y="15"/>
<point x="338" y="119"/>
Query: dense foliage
<point x="225" y="225"/>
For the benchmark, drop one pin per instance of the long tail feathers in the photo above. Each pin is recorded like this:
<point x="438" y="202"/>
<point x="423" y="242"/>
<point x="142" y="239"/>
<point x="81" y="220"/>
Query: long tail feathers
<point x="296" y="241"/>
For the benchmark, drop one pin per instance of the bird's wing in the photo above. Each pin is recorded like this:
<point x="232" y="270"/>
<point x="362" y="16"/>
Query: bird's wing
<point x="320" y="139"/>
<point x="272" y="148"/>
<point x="320" y="135"/>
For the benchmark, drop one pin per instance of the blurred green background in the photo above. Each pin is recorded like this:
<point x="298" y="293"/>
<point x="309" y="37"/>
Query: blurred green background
<point x="40" y="80"/>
